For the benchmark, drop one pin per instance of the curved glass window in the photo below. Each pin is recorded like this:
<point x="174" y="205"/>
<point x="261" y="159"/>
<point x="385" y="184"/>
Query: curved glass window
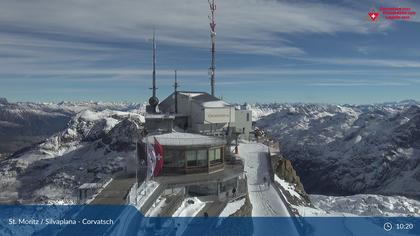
<point x="202" y="157"/>
<point x="197" y="158"/>
<point x="173" y="158"/>
<point x="215" y="155"/>
<point x="191" y="157"/>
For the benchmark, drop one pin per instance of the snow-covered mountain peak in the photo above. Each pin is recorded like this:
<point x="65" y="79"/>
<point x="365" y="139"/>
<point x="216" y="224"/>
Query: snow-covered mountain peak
<point x="3" y="100"/>
<point x="94" y="145"/>
<point x="350" y="148"/>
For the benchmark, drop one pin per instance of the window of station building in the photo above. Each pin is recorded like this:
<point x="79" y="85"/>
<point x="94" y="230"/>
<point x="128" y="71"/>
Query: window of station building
<point x="191" y="157"/>
<point x="215" y="155"/>
<point x="247" y="116"/>
<point x="202" y="189"/>
<point x="169" y="158"/>
<point x="196" y="157"/>
<point x="173" y="158"/>
<point x="202" y="157"/>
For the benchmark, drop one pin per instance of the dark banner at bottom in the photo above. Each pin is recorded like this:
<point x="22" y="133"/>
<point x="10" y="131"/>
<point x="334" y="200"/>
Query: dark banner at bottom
<point x="127" y="220"/>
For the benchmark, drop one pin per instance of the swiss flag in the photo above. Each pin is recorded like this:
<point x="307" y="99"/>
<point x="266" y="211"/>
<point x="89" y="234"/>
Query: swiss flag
<point x="373" y="15"/>
<point x="159" y="157"/>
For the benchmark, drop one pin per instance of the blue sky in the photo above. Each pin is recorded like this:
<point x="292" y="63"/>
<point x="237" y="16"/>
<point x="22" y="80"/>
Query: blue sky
<point x="267" y="50"/>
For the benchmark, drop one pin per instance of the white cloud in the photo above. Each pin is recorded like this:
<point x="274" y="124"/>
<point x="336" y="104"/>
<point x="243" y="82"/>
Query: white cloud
<point x="357" y="84"/>
<point x="370" y="62"/>
<point x="49" y="38"/>
<point x="252" y="26"/>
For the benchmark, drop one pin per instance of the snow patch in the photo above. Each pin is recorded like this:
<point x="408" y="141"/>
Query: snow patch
<point x="232" y="207"/>
<point x="157" y="207"/>
<point x="357" y="139"/>
<point x="190" y="207"/>
<point x="287" y="186"/>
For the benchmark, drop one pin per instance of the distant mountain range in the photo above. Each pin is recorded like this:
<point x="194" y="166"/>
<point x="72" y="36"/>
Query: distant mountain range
<point x="335" y="149"/>
<point x="95" y="143"/>
<point x="23" y="124"/>
<point x="349" y="149"/>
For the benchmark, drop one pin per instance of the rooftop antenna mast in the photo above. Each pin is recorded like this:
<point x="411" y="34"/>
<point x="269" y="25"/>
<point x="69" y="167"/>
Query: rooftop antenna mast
<point x="176" y="86"/>
<point x="212" y="68"/>
<point x="154" y="65"/>
<point x="154" y="101"/>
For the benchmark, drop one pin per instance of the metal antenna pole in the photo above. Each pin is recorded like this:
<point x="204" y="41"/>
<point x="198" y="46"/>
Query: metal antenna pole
<point x="153" y="100"/>
<point x="176" y="86"/>
<point x="176" y="92"/>
<point x="212" y="68"/>
<point x="154" y="66"/>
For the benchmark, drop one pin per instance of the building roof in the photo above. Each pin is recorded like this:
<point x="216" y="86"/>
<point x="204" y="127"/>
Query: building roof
<point x="205" y="99"/>
<point x="185" y="139"/>
<point x="202" y="98"/>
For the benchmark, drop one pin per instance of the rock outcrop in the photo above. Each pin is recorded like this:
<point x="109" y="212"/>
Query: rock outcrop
<point x="283" y="168"/>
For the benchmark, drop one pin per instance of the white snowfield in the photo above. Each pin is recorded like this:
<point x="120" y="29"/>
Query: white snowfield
<point x="264" y="198"/>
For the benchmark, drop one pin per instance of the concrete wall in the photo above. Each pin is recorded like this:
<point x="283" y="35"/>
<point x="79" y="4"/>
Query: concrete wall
<point x="243" y="123"/>
<point x="219" y="115"/>
<point x="197" y="116"/>
<point x="184" y="105"/>
<point x="163" y="124"/>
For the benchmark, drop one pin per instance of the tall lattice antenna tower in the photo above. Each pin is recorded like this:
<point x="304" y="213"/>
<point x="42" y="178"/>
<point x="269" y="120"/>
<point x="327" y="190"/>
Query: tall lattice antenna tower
<point x="212" y="68"/>
<point x="153" y="100"/>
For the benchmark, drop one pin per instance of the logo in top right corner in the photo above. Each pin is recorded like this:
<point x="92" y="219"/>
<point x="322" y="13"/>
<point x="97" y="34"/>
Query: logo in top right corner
<point x="373" y="15"/>
<point x="392" y="13"/>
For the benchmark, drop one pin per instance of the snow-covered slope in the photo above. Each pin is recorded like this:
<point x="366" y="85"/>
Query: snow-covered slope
<point x="346" y="149"/>
<point x="25" y="123"/>
<point x="94" y="145"/>
<point x="367" y="205"/>
<point x="353" y="205"/>
<point x="261" y="110"/>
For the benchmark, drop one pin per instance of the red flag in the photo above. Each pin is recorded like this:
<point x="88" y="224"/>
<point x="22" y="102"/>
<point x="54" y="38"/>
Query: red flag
<point x="159" y="157"/>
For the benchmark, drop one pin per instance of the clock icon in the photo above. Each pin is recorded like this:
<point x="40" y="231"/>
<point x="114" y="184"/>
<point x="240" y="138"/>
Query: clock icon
<point x="387" y="226"/>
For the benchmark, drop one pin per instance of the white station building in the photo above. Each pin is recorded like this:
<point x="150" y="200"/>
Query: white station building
<point x="199" y="112"/>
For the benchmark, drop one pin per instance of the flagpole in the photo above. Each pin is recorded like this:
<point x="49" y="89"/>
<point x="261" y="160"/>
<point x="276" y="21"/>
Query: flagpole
<point x="147" y="164"/>
<point x="137" y="162"/>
